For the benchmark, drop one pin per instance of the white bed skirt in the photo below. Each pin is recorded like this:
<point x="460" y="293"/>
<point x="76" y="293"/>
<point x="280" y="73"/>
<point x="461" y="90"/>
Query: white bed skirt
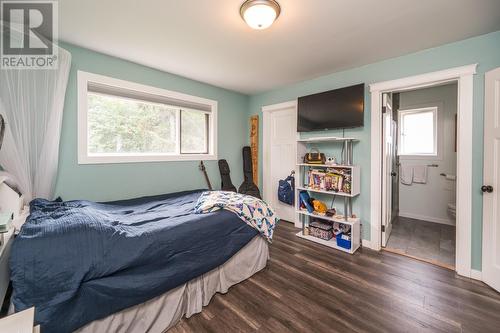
<point x="164" y="311"/>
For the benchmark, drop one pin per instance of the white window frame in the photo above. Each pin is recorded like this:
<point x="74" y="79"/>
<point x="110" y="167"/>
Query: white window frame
<point x="437" y="150"/>
<point x="84" y="157"/>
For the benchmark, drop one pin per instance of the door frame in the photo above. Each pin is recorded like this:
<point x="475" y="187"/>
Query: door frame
<point x="266" y="113"/>
<point x="464" y="77"/>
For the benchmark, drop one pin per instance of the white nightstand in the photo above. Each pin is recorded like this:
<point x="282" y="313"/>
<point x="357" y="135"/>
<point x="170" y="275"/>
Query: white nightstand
<point x="20" y="322"/>
<point x="8" y="238"/>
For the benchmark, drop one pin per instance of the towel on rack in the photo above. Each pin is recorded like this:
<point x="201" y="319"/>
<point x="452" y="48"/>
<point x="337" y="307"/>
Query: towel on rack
<point x="406" y="174"/>
<point x="420" y="174"/>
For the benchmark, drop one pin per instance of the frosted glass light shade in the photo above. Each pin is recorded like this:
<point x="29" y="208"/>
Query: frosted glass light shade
<point x="260" y="14"/>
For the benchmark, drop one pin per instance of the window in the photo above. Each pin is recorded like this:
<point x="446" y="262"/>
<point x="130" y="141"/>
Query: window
<point x="418" y="132"/>
<point x="120" y="121"/>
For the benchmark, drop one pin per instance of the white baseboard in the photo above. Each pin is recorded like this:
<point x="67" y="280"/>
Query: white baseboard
<point x="476" y="275"/>
<point x="427" y="218"/>
<point x="367" y="243"/>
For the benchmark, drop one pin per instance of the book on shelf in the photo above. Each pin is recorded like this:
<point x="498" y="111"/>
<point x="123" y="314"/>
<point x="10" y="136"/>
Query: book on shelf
<point x="304" y="199"/>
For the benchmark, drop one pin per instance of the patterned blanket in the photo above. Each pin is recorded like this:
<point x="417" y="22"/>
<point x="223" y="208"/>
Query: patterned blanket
<point x="253" y="211"/>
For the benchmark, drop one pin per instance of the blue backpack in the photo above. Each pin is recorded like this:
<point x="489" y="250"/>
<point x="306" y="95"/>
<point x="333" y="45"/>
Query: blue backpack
<point x="285" y="190"/>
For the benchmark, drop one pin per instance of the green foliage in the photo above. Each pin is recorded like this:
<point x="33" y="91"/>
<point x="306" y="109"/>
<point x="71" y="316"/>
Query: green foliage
<point x="119" y="125"/>
<point x="194" y="132"/>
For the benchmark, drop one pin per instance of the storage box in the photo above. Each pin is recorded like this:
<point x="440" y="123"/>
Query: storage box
<point x="321" y="230"/>
<point x="344" y="241"/>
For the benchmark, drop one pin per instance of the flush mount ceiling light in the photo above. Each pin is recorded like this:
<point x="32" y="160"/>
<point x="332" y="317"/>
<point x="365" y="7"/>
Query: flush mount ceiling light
<point x="260" y="14"/>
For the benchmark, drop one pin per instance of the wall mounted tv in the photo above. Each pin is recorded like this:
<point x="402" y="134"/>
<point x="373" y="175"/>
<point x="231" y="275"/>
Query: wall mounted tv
<point x="334" y="109"/>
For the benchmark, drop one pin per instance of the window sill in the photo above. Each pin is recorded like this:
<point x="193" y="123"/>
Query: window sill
<point x="144" y="158"/>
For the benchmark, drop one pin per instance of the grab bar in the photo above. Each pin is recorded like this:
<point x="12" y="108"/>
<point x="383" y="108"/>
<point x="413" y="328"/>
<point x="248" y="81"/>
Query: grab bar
<point x="429" y="165"/>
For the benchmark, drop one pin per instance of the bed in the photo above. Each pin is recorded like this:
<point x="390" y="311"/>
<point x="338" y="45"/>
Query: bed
<point x="135" y="265"/>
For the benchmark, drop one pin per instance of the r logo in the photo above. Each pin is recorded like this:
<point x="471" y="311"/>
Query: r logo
<point x="29" y="31"/>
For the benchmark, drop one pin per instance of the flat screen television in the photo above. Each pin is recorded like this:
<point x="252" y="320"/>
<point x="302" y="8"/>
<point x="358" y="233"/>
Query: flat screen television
<point x="334" y="109"/>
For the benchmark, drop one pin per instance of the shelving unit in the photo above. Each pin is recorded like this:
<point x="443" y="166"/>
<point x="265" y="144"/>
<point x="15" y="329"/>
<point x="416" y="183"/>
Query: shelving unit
<point x="303" y="216"/>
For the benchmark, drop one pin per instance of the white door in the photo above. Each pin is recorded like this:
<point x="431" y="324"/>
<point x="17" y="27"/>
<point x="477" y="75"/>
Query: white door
<point x="387" y="161"/>
<point x="491" y="199"/>
<point x="280" y="140"/>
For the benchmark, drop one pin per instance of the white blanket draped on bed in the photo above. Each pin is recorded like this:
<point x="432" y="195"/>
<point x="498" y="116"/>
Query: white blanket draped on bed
<point x="255" y="212"/>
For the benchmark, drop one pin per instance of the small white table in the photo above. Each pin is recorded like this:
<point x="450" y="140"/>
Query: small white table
<point x="6" y="243"/>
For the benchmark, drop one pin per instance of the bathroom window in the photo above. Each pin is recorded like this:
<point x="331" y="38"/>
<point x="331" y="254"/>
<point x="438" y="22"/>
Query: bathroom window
<point x="418" y="132"/>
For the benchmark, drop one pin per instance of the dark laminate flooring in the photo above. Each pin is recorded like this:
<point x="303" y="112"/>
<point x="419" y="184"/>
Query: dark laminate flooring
<point x="310" y="288"/>
<point x="429" y="241"/>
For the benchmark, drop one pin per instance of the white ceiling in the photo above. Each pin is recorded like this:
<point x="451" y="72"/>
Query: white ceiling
<point x="206" y="40"/>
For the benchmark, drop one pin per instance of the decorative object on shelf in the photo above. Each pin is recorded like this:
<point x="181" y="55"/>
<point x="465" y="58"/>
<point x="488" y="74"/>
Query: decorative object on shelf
<point x="286" y="188"/>
<point x="319" y="207"/>
<point x="314" y="157"/>
<point x="331" y="160"/>
<point x="331" y="212"/>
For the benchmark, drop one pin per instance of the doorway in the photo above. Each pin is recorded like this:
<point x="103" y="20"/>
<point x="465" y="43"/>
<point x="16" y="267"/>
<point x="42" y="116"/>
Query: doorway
<point x="464" y="78"/>
<point x="279" y="153"/>
<point x="420" y="164"/>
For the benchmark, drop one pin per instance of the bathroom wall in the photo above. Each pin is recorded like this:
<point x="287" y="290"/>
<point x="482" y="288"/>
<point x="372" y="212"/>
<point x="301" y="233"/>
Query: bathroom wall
<point x="429" y="202"/>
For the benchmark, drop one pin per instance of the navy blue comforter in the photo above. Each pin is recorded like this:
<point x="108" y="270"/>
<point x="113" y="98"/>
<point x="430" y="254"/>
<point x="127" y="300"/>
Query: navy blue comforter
<point x="78" y="261"/>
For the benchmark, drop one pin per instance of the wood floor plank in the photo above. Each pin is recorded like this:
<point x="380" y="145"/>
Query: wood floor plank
<point x="307" y="287"/>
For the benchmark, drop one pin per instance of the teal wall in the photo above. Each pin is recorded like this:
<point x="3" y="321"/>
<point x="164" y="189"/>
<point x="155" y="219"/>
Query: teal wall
<point x="116" y="181"/>
<point x="483" y="50"/>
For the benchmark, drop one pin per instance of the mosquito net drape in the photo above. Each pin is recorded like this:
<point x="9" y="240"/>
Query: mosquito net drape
<point x="32" y="101"/>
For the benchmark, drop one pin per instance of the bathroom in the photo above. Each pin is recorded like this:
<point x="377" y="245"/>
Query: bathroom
<point x="423" y="203"/>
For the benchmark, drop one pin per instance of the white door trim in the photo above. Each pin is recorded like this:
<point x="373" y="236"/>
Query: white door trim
<point x="266" y="110"/>
<point x="464" y="76"/>
<point x="490" y="210"/>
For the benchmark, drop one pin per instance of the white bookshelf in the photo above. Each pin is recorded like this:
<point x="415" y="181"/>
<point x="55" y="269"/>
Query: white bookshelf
<point x="303" y="216"/>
